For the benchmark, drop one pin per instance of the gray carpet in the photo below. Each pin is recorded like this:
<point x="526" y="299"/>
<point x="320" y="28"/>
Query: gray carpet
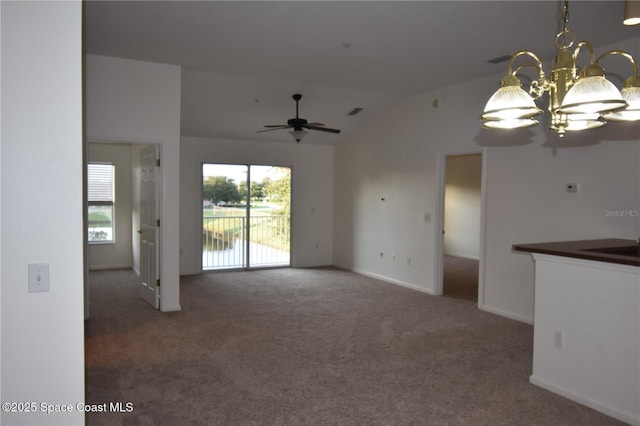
<point x="310" y="347"/>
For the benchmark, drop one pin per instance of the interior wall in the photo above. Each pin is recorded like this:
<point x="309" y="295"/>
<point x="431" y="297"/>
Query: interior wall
<point x="119" y="253"/>
<point x="311" y="194"/>
<point x="131" y="101"/>
<point x="42" y="333"/>
<point x="462" y="206"/>
<point x="1" y="137"/>
<point x="395" y="158"/>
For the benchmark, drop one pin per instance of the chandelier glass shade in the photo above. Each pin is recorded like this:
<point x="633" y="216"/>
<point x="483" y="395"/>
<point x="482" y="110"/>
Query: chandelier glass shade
<point x="513" y="123"/>
<point x="592" y="95"/>
<point x="298" y="134"/>
<point x="578" y="100"/>
<point x="583" y="122"/>
<point x="631" y="94"/>
<point x="510" y="102"/>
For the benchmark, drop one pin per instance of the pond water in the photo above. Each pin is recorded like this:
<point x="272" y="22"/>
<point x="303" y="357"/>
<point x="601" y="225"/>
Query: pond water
<point x="235" y="257"/>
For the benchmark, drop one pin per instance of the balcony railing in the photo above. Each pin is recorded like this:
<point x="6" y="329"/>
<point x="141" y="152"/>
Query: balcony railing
<point x="224" y="241"/>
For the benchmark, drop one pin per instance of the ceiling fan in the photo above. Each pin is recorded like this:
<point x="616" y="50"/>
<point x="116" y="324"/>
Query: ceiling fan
<point x="298" y="125"/>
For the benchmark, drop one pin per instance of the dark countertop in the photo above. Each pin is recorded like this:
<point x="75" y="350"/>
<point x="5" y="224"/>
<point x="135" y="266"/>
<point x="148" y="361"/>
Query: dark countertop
<point x="585" y="250"/>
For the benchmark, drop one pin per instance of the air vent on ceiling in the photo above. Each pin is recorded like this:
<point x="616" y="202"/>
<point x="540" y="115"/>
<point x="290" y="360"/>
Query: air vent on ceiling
<point x="499" y="59"/>
<point x="355" y="111"/>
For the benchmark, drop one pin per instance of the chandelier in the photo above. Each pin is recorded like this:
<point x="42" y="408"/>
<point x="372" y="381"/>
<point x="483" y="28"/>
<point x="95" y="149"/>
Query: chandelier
<point x="578" y="100"/>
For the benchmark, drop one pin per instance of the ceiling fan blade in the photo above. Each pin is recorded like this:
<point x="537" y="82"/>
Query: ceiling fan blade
<point x="276" y="125"/>
<point x="273" y="128"/>
<point x="322" y="129"/>
<point x="315" y="124"/>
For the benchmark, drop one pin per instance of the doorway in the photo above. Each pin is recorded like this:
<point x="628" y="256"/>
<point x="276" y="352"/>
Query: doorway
<point x="245" y="216"/>
<point x="462" y="223"/>
<point x="127" y="246"/>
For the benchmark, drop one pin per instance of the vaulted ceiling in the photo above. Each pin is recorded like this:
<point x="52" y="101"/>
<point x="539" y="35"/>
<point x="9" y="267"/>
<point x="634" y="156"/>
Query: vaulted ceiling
<point x="242" y="60"/>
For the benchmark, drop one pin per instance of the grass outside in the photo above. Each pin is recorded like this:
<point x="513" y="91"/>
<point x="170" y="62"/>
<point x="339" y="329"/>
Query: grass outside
<point x="100" y="215"/>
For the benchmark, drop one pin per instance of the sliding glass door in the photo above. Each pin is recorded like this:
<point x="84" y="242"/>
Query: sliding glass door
<point x="245" y="216"/>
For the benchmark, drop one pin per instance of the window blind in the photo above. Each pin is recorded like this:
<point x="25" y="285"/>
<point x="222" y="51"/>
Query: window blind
<point x="100" y="183"/>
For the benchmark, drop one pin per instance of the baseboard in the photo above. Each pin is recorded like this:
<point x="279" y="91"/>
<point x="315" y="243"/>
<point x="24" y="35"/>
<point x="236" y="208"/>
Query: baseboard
<point x="625" y="416"/>
<point x="485" y="308"/>
<point x="108" y="267"/>
<point x="389" y="280"/>
<point x="341" y="266"/>
<point x="506" y="314"/>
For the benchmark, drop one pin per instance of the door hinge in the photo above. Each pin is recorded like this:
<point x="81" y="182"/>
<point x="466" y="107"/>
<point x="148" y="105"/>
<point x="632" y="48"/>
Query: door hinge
<point x="157" y="222"/>
<point x="158" y="282"/>
<point x="157" y="162"/>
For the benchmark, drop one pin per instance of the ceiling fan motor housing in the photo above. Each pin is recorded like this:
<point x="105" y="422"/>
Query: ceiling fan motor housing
<point x="296" y="123"/>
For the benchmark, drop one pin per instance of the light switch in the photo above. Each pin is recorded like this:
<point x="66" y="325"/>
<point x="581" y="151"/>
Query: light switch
<point x="38" y="277"/>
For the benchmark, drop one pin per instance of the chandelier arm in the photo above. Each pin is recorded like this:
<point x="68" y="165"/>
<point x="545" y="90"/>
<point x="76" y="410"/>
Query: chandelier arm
<point x="527" y="64"/>
<point x="577" y="52"/>
<point x="537" y="64"/>
<point x="537" y="87"/>
<point x="627" y="55"/>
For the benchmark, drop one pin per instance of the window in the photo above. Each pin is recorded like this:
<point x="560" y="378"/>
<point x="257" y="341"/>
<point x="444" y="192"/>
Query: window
<point x="100" y="194"/>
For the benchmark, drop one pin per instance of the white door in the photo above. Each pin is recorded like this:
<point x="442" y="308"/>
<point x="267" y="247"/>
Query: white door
<point x="150" y="226"/>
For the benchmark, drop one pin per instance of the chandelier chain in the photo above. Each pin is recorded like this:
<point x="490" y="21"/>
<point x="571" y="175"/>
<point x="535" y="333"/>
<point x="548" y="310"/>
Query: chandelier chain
<point x="565" y="38"/>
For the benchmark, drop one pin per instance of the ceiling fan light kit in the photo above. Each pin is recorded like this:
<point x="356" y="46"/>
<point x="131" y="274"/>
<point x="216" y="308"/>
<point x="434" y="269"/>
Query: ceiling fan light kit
<point x="298" y="125"/>
<point x="298" y="135"/>
<point x="577" y="100"/>
<point x="631" y="12"/>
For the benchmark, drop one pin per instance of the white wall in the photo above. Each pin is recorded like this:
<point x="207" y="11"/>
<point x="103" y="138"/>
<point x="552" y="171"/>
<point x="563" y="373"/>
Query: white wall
<point x="311" y="194"/>
<point x="594" y="307"/>
<point x="396" y="158"/>
<point x="42" y="206"/>
<point x="139" y="102"/>
<point x="463" y="205"/>
<point x="119" y="253"/>
<point x="1" y="137"/>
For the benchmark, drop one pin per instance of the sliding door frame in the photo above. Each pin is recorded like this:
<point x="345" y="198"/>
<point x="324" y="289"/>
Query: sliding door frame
<point x="246" y="249"/>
